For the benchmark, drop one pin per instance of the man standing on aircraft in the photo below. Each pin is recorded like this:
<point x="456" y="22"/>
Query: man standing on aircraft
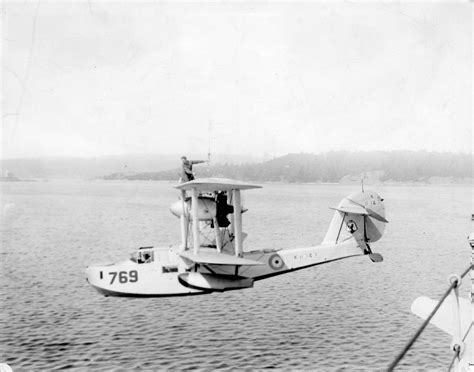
<point x="187" y="173"/>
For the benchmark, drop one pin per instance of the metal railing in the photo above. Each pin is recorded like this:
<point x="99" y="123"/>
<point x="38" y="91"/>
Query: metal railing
<point x="457" y="344"/>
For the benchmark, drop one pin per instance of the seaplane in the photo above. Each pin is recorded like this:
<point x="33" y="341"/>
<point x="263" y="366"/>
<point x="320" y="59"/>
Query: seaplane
<point x="211" y="257"/>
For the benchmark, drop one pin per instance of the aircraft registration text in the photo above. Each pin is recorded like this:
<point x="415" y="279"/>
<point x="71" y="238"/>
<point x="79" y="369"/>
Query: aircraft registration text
<point x="124" y="277"/>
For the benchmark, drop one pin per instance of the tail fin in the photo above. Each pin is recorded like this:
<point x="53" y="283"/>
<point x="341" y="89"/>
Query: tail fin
<point x="359" y="216"/>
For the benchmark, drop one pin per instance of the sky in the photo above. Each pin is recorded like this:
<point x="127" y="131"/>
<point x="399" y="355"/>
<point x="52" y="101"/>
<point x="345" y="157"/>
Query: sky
<point x="108" y="78"/>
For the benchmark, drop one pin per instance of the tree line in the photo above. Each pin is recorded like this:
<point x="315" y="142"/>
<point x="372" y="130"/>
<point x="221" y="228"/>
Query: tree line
<point x="398" y="166"/>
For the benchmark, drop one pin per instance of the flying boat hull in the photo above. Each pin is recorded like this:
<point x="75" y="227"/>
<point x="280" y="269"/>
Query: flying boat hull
<point x="173" y="273"/>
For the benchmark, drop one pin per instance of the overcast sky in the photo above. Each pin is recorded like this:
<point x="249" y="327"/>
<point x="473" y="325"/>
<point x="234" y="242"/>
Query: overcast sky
<point x="101" y="78"/>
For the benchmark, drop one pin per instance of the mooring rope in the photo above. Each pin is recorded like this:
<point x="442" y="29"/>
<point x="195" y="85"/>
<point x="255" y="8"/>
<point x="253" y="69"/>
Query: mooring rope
<point x="453" y="285"/>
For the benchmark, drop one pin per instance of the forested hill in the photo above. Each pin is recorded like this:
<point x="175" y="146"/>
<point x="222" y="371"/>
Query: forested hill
<point x="340" y="166"/>
<point x="87" y="168"/>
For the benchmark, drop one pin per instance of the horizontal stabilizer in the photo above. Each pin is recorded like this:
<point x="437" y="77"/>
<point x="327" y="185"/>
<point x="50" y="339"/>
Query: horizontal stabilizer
<point x="211" y="256"/>
<point x="350" y="206"/>
<point x="443" y="319"/>
<point x="353" y="209"/>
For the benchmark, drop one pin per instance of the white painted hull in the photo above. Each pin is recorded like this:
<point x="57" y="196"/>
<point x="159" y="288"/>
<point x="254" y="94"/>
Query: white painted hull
<point x="132" y="279"/>
<point x="150" y="280"/>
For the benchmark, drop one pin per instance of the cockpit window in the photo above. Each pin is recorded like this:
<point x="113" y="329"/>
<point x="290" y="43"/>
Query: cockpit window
<point x="143" y="257"/>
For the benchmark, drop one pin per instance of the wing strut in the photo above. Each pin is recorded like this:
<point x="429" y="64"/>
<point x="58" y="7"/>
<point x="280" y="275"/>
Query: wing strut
<point x="184" y="227"/>
<point x="194" y="208"/>
<point x="232" y="222"/>
<point x="238" y="223"/>
<point x="218" y="235"/>
<point x="340" y="227"/>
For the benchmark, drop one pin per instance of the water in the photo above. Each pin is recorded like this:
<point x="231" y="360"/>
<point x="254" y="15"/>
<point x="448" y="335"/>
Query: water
<point x="345" y="315"/>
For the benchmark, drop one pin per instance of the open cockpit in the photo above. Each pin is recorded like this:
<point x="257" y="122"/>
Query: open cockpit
<point x="143" y="255"/>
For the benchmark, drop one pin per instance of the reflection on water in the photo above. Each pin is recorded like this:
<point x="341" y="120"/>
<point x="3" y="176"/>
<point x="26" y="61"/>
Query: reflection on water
<point x="343" y="315"/>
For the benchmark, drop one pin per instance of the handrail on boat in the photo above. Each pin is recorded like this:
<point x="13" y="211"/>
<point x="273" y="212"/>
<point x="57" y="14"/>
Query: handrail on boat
<point x="455" y="282"/>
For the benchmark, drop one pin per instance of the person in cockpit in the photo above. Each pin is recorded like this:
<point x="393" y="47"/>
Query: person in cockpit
<point x="146" y="258"/>
<point x="187" y="174"/>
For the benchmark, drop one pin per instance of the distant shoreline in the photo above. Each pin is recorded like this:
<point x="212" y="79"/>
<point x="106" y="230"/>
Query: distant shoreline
<point x="343" y="167"/>
<point x="367" y="183"/>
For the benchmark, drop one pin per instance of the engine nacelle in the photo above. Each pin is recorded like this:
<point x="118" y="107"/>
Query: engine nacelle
<point x="206" y="208"/>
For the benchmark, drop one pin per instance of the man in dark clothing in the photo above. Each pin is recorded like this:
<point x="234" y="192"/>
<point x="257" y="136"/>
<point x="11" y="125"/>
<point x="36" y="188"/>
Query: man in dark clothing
<point x="187" y="173"/>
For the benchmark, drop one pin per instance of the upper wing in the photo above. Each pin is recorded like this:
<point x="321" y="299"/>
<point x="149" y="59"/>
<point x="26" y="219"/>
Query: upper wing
<point x="216" y="184"/>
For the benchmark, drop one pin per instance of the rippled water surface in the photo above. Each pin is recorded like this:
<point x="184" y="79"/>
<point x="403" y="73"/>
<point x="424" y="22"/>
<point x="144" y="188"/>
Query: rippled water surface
<point x="345" y="315"/>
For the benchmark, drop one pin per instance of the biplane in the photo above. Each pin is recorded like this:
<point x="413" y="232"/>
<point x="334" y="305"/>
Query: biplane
<point x="211" y="256"/>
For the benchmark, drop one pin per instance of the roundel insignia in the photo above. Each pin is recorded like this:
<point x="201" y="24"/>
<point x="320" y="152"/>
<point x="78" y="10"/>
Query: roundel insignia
<point x="275" y="262"/>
